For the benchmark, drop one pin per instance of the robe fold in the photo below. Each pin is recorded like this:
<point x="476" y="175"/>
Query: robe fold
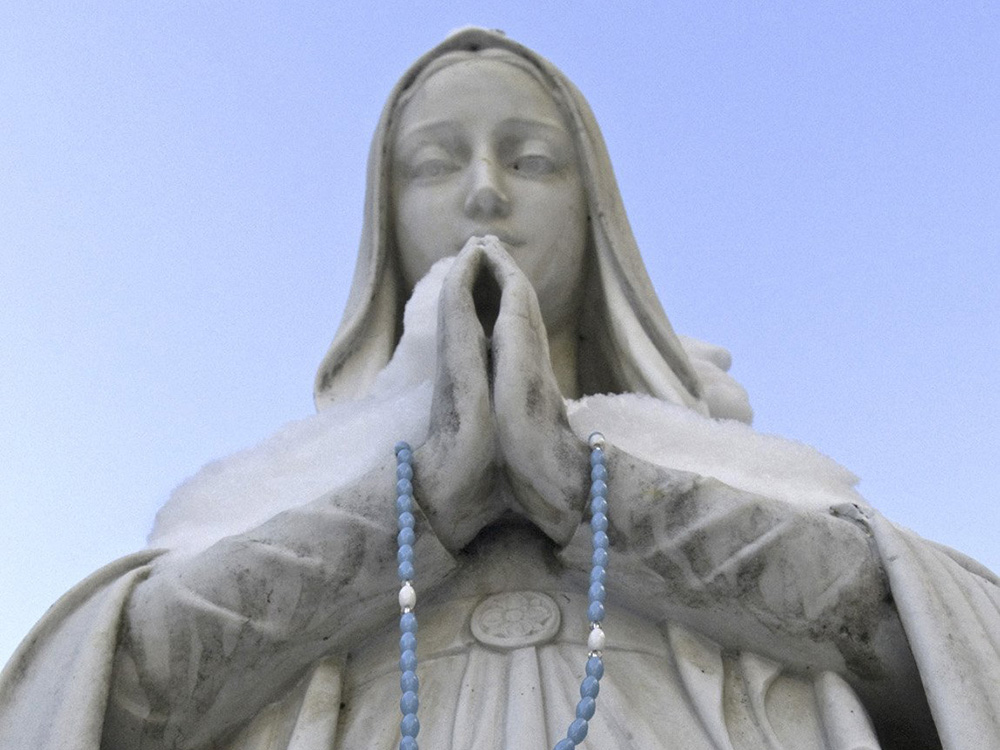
<point x="54" y="692"/>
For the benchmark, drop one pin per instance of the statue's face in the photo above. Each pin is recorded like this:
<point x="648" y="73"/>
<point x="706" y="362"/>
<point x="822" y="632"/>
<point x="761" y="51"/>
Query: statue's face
<point x="481" y="148"/>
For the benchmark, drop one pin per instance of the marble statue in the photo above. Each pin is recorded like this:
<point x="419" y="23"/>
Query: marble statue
<point x="499" y="312"/>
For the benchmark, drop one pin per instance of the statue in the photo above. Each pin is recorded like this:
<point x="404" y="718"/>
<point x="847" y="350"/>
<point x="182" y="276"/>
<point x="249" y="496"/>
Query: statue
<point x="500" y="311"/>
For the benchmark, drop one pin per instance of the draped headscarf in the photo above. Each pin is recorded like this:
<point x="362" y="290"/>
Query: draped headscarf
<point x="626" y="342"/>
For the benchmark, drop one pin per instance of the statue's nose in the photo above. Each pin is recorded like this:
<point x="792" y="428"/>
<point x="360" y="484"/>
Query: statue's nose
<point x="487" y="197"/>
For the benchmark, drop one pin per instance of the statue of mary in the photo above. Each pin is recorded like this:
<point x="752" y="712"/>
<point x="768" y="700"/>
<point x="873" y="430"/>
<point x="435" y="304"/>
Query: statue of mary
<point x="499" y="313"/>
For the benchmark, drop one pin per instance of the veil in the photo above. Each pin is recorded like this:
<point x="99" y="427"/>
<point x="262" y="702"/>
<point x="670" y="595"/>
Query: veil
<point x="626" y="345"/>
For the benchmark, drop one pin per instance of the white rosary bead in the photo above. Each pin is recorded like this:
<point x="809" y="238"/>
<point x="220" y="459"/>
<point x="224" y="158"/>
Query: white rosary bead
<point x="595" y="641"/>
<point x="407" y="597"/>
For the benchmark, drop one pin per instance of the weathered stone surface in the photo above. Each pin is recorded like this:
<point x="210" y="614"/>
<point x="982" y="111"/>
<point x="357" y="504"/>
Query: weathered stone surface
<point x="749" y="606"/>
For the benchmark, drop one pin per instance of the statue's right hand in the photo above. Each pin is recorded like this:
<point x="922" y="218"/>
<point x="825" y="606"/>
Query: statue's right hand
<point x="456" y="465"/>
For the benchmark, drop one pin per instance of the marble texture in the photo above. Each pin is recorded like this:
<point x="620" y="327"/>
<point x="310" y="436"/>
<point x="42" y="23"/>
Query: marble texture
<point x="738" y="617"/>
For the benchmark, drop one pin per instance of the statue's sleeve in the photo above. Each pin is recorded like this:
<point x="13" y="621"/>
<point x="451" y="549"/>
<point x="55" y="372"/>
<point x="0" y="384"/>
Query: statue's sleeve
<point x="54" y="691"/>
<point x="802" y="587"/>
<point x="208" y="641"/>
<point x="950" y="609"/>
<point x="751" y="572"/>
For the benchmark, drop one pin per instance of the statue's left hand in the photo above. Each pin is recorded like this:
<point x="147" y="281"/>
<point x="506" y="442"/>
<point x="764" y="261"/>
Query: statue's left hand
<point x="546" y="464"/>
<point x="456" y="465"/>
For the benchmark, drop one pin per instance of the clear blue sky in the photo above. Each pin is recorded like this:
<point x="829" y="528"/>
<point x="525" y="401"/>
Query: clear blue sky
<point x="814" y="185"/>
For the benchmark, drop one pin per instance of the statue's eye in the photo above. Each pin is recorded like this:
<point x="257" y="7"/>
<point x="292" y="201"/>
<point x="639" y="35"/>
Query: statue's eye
<point x="533" y="164"/>
<point x="430" y="168"/>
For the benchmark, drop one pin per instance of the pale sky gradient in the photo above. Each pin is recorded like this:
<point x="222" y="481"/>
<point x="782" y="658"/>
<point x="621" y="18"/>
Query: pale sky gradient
<point x="814" y="185"/>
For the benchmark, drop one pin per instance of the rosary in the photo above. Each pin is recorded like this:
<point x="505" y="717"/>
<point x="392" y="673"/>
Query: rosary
<point x="408" y="682"/>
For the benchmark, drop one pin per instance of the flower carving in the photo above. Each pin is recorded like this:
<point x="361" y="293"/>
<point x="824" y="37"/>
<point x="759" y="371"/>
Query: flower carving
<point x="516" y="618"/>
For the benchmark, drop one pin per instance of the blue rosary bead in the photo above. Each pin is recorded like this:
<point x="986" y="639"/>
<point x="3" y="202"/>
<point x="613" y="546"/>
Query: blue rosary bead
<point x="407" y="642"/>
<point x="595" y="612"/>
<point x="409" y="703"/>
<point x="565" y="744"/>
<point x="599" y="473"/>
<point x="406" y="537"/>
<point x="597" y="592"/>
<point x="596" y="456"/>
<point x="599" y="489"/>
<point x="404" y="504"/>
<point x="595" y="667"/>
<point x="409" y="682"/>
<point x="410" y="725"/>
<point x="599" y="559"/>
<point x="406" y="571"/>
<point x="599" y="505"/>
<point x="404" y="471"/>
<point x="408" y="661"/>
<point x="598" y="574"/>
<point x="404" y="487"/>
<point x="402" y="445"/>
<point x="577" y="731"/>
<point x="406" y="521"/>
<point x="601" y="540"/>
<point x="599" y="522"/>
<point x="590" y="687"/>
<point x="408" y="622"/>
<point x="405" y="554"/>
<point x="585" y="708"/>
<point x="407" y="743"/>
